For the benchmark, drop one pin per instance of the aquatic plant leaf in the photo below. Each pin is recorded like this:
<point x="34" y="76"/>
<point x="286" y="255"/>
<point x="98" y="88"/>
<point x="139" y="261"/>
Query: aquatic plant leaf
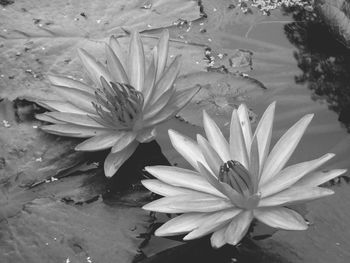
<point x="37" y="41"/>
<point x="336" y="14"/>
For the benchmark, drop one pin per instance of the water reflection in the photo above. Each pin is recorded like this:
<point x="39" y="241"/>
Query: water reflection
<point x="325" y="62"/>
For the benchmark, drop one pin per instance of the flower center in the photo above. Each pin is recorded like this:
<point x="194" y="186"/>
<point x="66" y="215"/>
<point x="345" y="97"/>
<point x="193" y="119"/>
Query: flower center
<point x="118" y="105"/>
<point x="237" y="176"/>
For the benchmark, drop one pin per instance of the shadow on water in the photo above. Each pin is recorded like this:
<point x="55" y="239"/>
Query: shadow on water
<point x="325" y="62"/>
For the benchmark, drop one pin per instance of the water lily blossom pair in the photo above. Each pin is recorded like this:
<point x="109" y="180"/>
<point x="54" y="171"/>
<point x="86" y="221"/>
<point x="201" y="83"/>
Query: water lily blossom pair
<point x="236" y="181"/>
<point x="123" y="105"/>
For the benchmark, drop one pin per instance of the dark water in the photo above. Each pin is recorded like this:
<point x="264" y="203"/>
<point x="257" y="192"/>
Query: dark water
<point x="315" y="79"/>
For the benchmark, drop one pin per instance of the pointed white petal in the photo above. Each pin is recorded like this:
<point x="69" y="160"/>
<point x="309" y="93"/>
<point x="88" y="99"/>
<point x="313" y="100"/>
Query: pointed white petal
<point x="136" y="62"/>
<point x="175" y="104"/>
<point x="318" y="178"/>
<point x="118" y="50"/>
<point x="94" y="68"/>
<point x="183" y="178"/>
<point x="244" y="120"/>
<point x="181" y="224"/>
<point x="164" y="189"/>
<point x="213" y="159"/>
<point x="100" y="142"/>
<point x="284" y="148"/>
<point x="115" y="67"/>
<point x="280" y="217"/>
<point x="62" y="106"/>
<point x="216" y="138"/>
<point x="290" y="175"/>
<point x="73" y="118"/>
<point x="166" y="81"/>
<point x="254" y="164"/>
<point x="48" y="118"/>
<point x="163" y="46"/>
<point x="80" y="99"/>
<point x="70" y="83"/>
<point x="213" y="222"/>
<point x="217" y="239"/>
<point x="115" y="160"/>
<point x="71" y="130"/>
<point x="198" y="202"/>
<point x="263" y="133"/>
<point x="238" y="227"/>
<point x="188" y="148"/>
<point x="159" y="105"/>
<point x="146" y="135"/>
<point x="295" y="195"/>
<point x="150" y="80"/>
<point x="238" y="148"/>
<point x="124" y="140"/>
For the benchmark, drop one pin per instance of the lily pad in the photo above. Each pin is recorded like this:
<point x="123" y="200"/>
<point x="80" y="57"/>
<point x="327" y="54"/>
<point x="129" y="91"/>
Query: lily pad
<point x="42" y="36"/>
<point x="336" y="14"/>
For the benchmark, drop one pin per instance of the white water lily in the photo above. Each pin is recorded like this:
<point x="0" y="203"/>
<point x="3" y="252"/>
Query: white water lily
<point x="236" y="181"/>
<point x="125" y="102"/>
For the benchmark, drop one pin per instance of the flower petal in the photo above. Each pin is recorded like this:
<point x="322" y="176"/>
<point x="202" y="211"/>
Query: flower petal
<point x="198" y="202"/>
<point x="80" y="99"/>
<point x="178" y="100"/>
<point x="47" y="118"/>
<point x="238" y="227"/>
<point x="160" y="188"/>
<point x="74" y="118"/>
<point x="163" y="46"/>
<point x="244" y="120"/>
<point x="72" y="130"/>
<point x="216" y="138"/>
<point x="290" y="175"/>
<point x="318" y="178"/>
<point x="136" y="62"/>
<point x="100" y="142"/>
<point x="70" y="83"/>
<point x="146" y="135"/>
<point x="150" y="79"/>
<point x="181" y="224"/>
<point x="115" y="67"/>
<point x="94" y="68"/>
<point x="217" y="239"/>
<point x="125" y="139"/>
<point x="117" y="50"/>
<point x="254" y="164"/>
<point x="263" y="133"/>
<point x="62" y="106"/>
<point x="238" y="150"/>
<point x="294" y="195"/>
<point x="183" y="178"/>
<point x="213" y="159"/>
<point x="280" y="217"/>
<point x="284" y="148"/>
<point x="115" y="160"/>
<point x="187" y="148"/>
<point x="213" y="222"/>
<point x="166" y="82"/>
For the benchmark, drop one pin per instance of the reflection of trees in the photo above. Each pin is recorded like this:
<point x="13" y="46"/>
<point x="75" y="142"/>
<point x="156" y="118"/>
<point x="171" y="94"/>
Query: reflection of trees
<point x="324" y="61"/>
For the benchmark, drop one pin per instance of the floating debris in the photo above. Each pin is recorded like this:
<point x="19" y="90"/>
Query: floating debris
<point x="50" y="180"/>
<point x="40" y="159"/>
<point x="146" y="5"/>
<point x="6" y="123"/>
<point x="98" y="21"/>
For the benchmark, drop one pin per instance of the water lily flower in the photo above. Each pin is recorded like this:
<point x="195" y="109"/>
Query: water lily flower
<point x="236" y="181"/>
<point x="124" y="103"/>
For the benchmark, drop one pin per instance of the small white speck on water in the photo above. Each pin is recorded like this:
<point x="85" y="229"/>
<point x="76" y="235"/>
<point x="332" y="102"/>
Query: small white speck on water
<point x="76" y="19"/>
<point x="149" y="26"/>
<point x="6" y="124"/>
<point x="338" y="244"/>
<point x="5" y="30"/>
<point x="4" y="9"/>
<point x="81" y="79"/>
<point x="55" y="238"/>
<point x="197" y="62"/>
<point x="209" y="39"/>
<point x="42" y="48"/>
<point x="88" y="259"/>
<point x="171" y="56"/>
<point x="201" y="24"/>
<point x="220" y="55"/>
<point x="46" y="244"/>
<point x="67" y="260"/>
<point x="35" y="126"/>
<point x="40" y="159"/>
<point x="40" y="25"/>
<point x="147" y="5"/>
<point x="214" y="9"/>
<point x="2" y="75"/>
<point x="98" y="21"/>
